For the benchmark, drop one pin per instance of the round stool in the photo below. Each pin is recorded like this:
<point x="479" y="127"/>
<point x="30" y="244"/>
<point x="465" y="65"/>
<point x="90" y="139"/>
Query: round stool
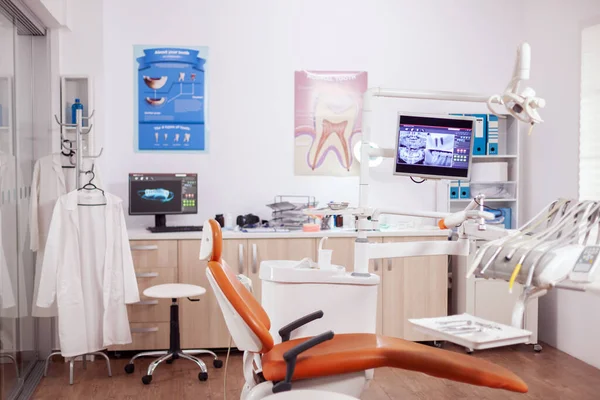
<point x="309" y="394"/>
<point x="174" y="291"/>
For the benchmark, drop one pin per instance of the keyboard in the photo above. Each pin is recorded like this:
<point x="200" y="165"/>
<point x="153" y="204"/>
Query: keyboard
<point x="168" y="229"/>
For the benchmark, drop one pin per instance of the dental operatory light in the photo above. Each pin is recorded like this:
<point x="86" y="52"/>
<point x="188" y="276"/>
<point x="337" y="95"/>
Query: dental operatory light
<point x="522" y="105"/>
<point x="374" y="161"/>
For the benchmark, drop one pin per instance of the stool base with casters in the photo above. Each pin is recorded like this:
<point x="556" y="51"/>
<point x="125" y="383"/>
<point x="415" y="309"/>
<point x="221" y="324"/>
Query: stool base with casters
<point x="175" y="352"/>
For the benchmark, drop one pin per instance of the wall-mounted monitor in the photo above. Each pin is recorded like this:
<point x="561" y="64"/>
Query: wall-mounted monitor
<point x="434" y="147"/>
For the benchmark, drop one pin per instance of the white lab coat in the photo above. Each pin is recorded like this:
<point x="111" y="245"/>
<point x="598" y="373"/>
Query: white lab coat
<point x="88" y="269"/>
<point x="50" y="181"/>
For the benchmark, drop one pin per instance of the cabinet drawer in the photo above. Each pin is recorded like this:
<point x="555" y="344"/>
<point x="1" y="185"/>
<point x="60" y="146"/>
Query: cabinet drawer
<point x="149" y="309"/>
<point x="147" y="336"/>
<point x="154" y="253"/>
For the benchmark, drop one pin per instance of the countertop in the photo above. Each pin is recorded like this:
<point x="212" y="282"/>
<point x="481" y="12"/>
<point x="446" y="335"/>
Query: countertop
<point x="143" y="234"/>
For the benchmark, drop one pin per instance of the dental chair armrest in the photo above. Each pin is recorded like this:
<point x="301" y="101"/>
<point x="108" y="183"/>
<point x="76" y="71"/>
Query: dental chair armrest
<point x="287" y="330"/>
<point x="291" y="356"/>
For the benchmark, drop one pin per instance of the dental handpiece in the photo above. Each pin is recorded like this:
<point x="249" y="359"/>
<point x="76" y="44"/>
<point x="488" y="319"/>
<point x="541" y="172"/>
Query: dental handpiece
<point x="548" y="231"/>
<point x="555" y="229"/>
<point x="532" y="224"/>
<point x="549" y="210"/>
<point x="572" y="235"/>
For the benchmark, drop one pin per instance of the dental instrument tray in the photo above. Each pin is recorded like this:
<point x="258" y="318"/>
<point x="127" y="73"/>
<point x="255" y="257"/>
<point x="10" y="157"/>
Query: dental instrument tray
<point x="471" y="332"/>
<point x="288" y="211"/>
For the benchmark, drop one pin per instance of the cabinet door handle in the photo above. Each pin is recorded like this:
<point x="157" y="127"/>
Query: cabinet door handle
<point x="241" y="258"/>
<point x="254" y="258"/>
<point x="144" y="247"/>
<point x="147" y="303"/>
<point x="389" y="262"/>
<point x="376" y="265"/>
<point x="146" y="274"/>
<point x="144" y="330"/>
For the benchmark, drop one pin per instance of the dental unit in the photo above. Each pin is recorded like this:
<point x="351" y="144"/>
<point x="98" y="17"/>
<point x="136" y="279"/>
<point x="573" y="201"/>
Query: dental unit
<point x="342" y="359"/>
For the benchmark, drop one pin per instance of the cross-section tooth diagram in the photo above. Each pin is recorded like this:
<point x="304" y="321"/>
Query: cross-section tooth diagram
<point x="328" y="112"/>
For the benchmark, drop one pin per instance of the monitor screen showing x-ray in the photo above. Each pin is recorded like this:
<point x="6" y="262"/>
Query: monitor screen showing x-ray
<point x="437" y="147"/>
<point x="163" y="194"/>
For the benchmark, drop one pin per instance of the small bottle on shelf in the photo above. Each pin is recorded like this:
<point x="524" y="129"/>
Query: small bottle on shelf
<point x="76" y="106"/>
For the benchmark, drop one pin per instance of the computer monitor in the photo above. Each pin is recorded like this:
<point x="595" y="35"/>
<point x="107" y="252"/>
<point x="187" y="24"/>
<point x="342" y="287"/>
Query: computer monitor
<point x="436" y="147"/>
<point x="163" y="194"/>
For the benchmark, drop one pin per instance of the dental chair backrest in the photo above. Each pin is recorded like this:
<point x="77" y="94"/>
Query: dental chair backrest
<point x="246" y="320"/>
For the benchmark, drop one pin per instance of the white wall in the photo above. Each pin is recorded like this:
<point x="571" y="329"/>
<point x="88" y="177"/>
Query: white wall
<point x="255" y="48"/>
<point x="82" y="53"/>
<point x="568" y="320"/>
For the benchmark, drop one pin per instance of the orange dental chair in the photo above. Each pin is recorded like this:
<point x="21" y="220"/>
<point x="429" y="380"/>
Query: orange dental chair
<point x="330" y="362"/>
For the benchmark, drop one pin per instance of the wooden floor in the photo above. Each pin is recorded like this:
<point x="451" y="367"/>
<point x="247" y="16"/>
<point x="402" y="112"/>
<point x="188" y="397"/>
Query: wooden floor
<point x="550" y="375"/>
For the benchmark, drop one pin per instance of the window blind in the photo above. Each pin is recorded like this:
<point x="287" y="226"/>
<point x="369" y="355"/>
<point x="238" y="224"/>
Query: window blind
<point x="589" y="141"/>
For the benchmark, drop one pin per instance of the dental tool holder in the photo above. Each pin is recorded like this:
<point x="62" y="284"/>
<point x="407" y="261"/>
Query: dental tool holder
<point x="542" y="254"/>
<point x="289" y="211"/>
<point x="80" y="149"/>
<point x="471" y="332"/>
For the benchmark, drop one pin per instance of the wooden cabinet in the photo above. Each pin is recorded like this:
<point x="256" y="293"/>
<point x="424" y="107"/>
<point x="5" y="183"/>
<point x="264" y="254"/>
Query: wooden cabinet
<point x="343" y="254"/>
<point x="147" y="336"/>
<point x="375" y="267"/>
<point x="235" y="252"/>
<point x="155" y="263"/>
<point x="201" y="323"/>
<point x="154" y="253"/>
<point x="413" y="287"/>
<point x="149" y="309"/>
<point x="275" y="249"/>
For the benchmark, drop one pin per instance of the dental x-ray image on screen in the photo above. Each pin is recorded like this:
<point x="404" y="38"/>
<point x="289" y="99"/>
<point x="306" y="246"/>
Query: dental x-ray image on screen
<point x="418" y="146"/>
<point x="432" y="146"/>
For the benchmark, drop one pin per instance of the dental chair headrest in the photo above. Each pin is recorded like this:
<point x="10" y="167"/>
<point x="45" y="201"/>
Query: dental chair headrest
<point x="211" y="247"/>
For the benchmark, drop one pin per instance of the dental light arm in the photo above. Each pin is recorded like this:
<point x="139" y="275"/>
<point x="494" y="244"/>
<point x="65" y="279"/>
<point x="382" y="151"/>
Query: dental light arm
<point x="523" y="105"/>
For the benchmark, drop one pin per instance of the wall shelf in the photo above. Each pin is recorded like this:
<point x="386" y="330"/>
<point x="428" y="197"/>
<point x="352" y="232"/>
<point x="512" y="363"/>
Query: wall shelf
<point x="496" y="157"/>
<point x="76" y="87"/>
<point x="509" y="138"/>
<point x="486" y="200"/>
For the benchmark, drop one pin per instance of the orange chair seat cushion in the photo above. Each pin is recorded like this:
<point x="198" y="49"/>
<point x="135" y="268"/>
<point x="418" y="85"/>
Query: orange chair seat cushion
<point x="347" y="353"/>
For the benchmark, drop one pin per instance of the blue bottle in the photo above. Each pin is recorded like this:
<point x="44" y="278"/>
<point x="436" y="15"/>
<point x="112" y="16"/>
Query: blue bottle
<point x="76" y="106"/>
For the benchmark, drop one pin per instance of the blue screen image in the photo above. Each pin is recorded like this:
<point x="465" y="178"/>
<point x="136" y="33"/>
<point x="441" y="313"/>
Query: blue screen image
<point x="162" y="195"/>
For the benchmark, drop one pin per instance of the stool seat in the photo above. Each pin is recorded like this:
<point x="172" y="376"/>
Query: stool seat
<point x="174" y="291"/>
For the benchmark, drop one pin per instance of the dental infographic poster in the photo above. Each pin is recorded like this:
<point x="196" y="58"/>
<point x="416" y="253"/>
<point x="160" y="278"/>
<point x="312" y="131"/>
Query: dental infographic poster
<point x="170" y="92"/>
<point x="328" y="110"/>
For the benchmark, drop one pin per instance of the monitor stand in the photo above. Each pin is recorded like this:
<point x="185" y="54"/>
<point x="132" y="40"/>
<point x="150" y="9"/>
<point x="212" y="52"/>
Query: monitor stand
<point x="160" y="220"/>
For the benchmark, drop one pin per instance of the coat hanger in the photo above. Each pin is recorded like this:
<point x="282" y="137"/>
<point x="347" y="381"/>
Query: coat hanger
<point x="91" y="186"/>
<point x="70" y="153"/>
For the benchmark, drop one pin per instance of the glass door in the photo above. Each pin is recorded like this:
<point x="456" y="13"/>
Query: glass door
<point x="10" y="293"/>
<point x="23" y="133"/>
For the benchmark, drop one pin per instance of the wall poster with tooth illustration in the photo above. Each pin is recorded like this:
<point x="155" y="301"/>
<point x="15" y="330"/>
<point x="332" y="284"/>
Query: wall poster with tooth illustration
<point x="170" y="98"/>
<point x="328" y="113"/>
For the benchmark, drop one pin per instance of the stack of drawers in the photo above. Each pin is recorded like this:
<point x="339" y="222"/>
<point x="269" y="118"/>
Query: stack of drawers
<point x="155" y="263"/>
